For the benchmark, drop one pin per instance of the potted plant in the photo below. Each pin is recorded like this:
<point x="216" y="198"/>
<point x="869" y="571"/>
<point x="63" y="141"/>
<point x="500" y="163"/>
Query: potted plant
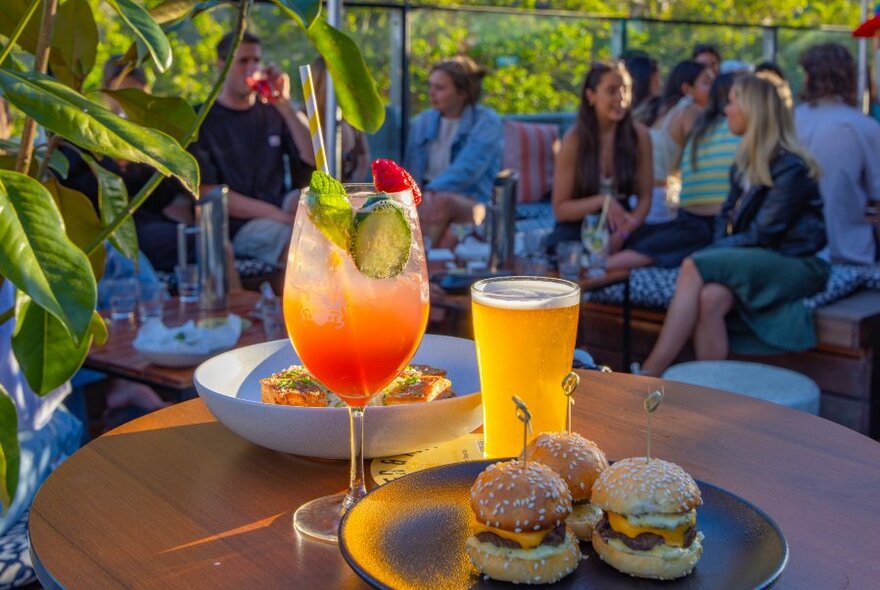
<point x="51" y="246"/>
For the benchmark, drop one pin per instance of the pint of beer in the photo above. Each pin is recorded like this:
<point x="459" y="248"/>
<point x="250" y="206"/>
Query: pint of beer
<point x="525" y="330"/>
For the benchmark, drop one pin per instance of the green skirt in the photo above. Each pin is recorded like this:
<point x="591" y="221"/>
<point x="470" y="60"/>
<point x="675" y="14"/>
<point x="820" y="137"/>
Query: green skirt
<point x="769" y="315"/>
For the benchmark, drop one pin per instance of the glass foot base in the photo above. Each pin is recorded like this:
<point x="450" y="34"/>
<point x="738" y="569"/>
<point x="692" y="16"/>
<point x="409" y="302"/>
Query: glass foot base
<point x="320" y="517"/>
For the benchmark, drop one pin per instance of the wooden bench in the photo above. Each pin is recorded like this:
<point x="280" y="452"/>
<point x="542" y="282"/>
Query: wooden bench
<point x="845" y="364"/>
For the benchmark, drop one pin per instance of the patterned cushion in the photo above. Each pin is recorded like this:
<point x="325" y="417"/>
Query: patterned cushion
<point x="16" y="569"/>
<point x="654" y="287"/>
<point x="528" y="149"/>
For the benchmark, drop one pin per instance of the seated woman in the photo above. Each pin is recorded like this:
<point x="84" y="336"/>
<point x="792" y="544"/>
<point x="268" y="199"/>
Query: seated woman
<point x="744" y="292"/>
<point x="454" y="149"/>
<point x="605" y="154"/>
<point x="684" y="98"/>
<point x="705" y="184"/>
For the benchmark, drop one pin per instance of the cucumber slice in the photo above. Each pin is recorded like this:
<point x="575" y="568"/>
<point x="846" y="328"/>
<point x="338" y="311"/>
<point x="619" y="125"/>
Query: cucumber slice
<point x="381" y="240"/>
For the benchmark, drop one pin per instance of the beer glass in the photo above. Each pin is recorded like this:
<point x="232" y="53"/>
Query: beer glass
<point x="525" y="330"/>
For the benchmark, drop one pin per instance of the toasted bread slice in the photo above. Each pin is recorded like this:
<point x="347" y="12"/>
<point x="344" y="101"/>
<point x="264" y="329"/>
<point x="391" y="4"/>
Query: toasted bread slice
<point x="294" y="386"/>
<point x="425" y="370"/>
<point x="409" y="390"/>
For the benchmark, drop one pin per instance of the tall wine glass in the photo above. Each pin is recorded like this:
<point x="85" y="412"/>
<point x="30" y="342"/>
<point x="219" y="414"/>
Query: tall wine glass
<point x="355" y="333"/>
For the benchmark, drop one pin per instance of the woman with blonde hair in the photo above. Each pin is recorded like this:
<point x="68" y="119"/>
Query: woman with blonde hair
<point x="744" y="292"/>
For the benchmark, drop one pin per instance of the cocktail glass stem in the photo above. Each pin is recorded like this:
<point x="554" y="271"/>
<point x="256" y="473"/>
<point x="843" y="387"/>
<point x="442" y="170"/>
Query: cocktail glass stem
<point x="357" y="489"/>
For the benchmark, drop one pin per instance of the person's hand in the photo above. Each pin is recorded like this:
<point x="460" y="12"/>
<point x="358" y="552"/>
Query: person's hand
<point x="280" y="83"/>
<point x="617" y="215"/>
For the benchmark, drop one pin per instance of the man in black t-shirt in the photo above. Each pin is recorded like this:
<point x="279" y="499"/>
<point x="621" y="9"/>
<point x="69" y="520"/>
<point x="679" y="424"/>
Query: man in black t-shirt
<point x="253" y="147"/>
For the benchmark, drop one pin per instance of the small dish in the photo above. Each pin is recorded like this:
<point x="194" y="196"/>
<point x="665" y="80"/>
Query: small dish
<point x="411" y="533"/>
<point x="229" y="384"/>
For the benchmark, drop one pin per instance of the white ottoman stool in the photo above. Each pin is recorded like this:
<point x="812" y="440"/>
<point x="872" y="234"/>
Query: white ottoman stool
<point x="772" y="384"/>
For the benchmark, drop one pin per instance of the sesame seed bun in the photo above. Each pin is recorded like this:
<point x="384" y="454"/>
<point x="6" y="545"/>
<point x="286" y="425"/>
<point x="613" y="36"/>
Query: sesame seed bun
<point x="661" y="563"/>
<point x="519" y="497"/>
<point x="542" y="565"/>
<point x="639" y="486"/>
<point x="579" y="461"/>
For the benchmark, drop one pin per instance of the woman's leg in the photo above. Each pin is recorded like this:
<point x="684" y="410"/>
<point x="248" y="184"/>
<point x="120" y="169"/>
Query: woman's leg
<point x="710" y="335"/>
<point x="440" y="209"/>
<point x="627" y="259"/>
<point x="681" y="318"/>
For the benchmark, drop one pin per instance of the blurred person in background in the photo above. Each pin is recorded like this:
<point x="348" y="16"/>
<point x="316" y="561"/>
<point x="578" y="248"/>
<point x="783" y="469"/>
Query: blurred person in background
<point x="645" y="74"/>
<point x="745" y="292"/>
<point x="454" y="148"/>
<point x="686" y="93"/>
<point x="355" y="150"/>
<point x="257" y="146"/>
<point x="606" y="154"/>
<point x="705" y="184"/>
<point x="772" y="67"/>
<point x="707" y="54"/>
<point x="846" y="143"/>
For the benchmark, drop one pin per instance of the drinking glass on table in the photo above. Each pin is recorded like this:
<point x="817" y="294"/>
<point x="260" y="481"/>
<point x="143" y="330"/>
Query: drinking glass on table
<point x="568" y="259"/>
<point x="525" y="329"/>
<point x="595" y="239"/>
<point x="354" y="325"/>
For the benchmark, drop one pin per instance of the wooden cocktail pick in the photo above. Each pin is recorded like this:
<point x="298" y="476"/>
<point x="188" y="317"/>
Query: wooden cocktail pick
<point x="522" y="412"/>
<point x="569" y="384"/>
<point x="652" y="402"/>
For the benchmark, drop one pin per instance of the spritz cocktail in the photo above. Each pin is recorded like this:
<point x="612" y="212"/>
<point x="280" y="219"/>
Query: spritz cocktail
<point x="356" y="300"/>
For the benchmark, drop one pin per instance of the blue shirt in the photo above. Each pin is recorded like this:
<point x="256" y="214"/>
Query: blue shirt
<point x="476" y="152"/>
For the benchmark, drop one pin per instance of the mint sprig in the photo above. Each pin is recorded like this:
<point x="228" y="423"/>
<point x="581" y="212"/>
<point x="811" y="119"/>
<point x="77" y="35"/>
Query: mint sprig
<point x="329" y="209"/>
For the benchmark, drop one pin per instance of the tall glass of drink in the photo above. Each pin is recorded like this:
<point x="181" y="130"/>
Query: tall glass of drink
<point x="356" y="302"/>
<point x="525" y="330"/>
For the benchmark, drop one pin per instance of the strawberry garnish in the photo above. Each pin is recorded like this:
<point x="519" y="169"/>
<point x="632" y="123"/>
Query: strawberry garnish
<point x="390" y="177"/>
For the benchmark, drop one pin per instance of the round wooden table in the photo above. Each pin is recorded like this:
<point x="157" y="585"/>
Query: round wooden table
<point x="175" y="500"/>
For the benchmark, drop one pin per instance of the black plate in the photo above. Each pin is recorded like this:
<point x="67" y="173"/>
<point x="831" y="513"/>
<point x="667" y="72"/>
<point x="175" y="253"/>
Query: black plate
<point x="411" y="532"/>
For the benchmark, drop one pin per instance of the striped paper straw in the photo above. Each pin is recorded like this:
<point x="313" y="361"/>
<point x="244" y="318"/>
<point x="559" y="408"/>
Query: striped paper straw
<point x="305" y="74"/>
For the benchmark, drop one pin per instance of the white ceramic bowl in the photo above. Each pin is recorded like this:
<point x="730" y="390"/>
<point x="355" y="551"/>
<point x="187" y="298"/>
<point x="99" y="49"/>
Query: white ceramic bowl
<point x="229" y="384"/>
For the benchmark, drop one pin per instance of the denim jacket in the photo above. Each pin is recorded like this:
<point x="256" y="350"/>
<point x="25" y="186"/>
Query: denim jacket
<point x="476" y="152"/>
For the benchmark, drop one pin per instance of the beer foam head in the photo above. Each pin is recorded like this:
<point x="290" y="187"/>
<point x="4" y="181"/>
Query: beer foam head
<point x="526" y="293"/>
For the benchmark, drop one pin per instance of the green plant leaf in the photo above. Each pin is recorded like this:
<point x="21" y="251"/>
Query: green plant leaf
<point x="172" y="10"/>
<point x="355" y="89"/>
<point x="74" y="43"/>
<point x="39" y="258"/>
<point x="147" y="31"/>
<point x="303" y="12"/>
<point x="92" y="127"/>
<point x="57" y="161"/>
<point x="112" y="201"/>
<point x="9" y="451"/>
<point x="80" y="220"/>
<point x="47" y="355"/>
<point x="170" y="114"/>
<point x="11" y="14"/>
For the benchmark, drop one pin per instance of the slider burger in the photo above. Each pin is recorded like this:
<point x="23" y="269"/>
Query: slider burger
<point x="649" y="527"/>
<point x="579" y="461"/>
<point x="520" y="533"/>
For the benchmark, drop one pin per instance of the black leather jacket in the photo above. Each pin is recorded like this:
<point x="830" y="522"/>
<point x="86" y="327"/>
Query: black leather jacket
<point x="786" y="217"/>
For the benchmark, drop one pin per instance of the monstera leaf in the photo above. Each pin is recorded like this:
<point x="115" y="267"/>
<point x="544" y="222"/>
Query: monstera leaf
<point x="39" y="258"/>
<point x="91" y="126"/>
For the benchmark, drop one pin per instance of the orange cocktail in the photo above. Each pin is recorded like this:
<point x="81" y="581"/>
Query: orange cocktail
<point x="355" y="334"/>
<point x="356" y="301"/>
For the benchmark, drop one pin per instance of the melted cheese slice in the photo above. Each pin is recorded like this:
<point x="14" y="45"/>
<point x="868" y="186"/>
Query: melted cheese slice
<point x="525" y="540"/>
<point x="674" y="537"/>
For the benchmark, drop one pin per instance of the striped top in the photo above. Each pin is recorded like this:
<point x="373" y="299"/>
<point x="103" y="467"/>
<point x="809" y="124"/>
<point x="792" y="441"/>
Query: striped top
<point x="709" y="183"/>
